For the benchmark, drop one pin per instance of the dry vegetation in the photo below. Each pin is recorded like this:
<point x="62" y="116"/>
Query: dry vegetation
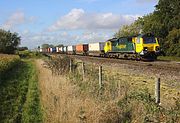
<point x="125" y="97"/>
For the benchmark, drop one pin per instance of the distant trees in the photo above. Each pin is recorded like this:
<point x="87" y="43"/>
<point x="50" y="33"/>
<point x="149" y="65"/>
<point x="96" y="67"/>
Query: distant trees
<point x="50" y="45"/>
<point x="22" y="48"/>
<point x="164" y="23"/>
<point x="46" y="45"/>
<point x="8" y="41"/>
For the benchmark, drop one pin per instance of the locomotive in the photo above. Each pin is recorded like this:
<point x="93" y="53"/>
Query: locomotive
<point x="143" y="46"/>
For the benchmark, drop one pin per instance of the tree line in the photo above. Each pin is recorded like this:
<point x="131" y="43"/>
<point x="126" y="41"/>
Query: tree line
<point x="164" y="23"/>
<point x="9" y="41"/>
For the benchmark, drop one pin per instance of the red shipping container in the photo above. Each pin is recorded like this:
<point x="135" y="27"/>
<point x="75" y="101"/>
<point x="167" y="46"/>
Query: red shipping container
<point x="49" y="50"/>
<point x="82" y="48"/>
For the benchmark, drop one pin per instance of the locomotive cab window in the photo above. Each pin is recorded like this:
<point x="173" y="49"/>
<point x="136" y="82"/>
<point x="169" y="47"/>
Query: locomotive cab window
<point x="149" y="40"/>
<point x="138" y="41"/>
<point x="108" y="43"/>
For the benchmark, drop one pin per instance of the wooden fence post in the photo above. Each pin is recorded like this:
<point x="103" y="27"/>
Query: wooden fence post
<point x="157" y="90"/>
<point x="100" y="77"/>
<point x="70" y="66"/>
<point x="83" y="70"/>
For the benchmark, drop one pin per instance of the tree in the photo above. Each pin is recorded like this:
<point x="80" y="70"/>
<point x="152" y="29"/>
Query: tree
<point x="173" y="42"/>
<point x="47" y="45"/>
<point x="129" y="30"/>
<point x="22" y="48"/>
<point x="164" y="23"/>
<point x="8" y="41"/>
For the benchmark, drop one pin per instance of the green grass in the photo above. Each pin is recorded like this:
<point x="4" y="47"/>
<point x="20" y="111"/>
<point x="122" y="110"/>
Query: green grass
<point x="19" y="95"/>
<point x="169" y="58"/>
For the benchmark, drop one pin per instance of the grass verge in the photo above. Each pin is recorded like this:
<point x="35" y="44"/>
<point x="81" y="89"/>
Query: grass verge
<point x="169" y="58"/>
<point x="19" y="94"/>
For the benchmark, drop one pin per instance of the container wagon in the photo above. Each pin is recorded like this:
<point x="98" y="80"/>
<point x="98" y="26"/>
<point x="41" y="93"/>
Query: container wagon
<point x="71" y="50"/>
<point x="48" y="50"/>
<point x="82" y="49"/>
<point x="65" y="49"/>
<point x="52" y="49"/>
<point x="96" y="49"/>
<point x="58" y="49"/>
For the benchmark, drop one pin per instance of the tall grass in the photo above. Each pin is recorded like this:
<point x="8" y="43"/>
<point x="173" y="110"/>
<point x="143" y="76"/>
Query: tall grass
<point x="18" y="88"/>
<point x="117" y="101"/>
<point x="7" y="62"/>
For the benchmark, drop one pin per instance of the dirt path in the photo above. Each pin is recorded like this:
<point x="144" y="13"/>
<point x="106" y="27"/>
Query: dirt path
<point x="59" y="99"/>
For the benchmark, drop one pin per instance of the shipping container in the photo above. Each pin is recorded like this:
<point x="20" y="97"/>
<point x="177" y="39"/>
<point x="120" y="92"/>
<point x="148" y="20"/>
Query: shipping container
<point x="65" y="49"/>
<point x="71" y="49"/>
<point x="82" y="49"/>
<point x="48" y="50"/>
<point x="61" y="49"/>
<point x="53" y="50"/>
<point x="57" y="49"/>
<point x="96" y="46"/>
<point x="45" y="50"/>
<point x="41" y="50"/>
<point x="96" y="49"/>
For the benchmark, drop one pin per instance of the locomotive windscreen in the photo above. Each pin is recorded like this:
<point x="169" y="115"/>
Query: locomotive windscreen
<point x="149" y="40"/>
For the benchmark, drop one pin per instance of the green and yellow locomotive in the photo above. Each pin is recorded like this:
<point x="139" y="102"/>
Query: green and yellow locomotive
<point x="144" y="46"/>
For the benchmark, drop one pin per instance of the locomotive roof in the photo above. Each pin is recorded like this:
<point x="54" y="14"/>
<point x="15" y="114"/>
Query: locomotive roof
<point x="128" y="37"/>
<point x="115" y="39"/>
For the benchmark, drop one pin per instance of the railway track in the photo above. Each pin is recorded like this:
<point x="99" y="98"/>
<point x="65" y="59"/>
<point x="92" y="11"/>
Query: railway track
<point x="159" y="64"/>
<point x="168" y="71"/>
<point x="164" y="65"/>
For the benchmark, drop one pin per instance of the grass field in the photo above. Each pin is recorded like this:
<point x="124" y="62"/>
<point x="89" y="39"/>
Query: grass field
<point x="19" y="94"/>
<point x="168" y="58"/>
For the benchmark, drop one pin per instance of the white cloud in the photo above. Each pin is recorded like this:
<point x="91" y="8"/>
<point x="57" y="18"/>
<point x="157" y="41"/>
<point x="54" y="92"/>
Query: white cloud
<point x="17" y="18"/>
<point x="33" y="40"/>
<point x="79" y="19"/>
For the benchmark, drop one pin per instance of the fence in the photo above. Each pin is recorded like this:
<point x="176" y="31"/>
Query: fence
<point x="100" y="82"/>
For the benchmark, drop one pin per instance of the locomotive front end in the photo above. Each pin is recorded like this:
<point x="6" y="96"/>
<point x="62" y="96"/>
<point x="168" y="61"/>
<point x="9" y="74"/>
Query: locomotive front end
<point x="150" y="46"/>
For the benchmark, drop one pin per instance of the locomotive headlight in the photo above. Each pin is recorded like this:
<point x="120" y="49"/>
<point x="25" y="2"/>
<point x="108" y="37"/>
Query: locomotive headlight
<point x="145" y="49"/>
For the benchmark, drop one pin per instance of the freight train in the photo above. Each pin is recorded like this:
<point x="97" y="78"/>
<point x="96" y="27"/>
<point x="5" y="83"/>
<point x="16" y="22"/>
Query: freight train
<point x="143" y="46"/>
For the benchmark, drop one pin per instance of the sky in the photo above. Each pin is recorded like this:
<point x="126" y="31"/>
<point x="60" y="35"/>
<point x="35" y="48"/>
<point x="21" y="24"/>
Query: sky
<point x="69" y="22"/>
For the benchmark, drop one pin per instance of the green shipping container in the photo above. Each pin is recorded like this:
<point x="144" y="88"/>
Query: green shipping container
<point x="123" y="45"/>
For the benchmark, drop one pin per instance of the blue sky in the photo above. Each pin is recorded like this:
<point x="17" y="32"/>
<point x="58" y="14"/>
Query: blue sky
<point x="69" y="21"/>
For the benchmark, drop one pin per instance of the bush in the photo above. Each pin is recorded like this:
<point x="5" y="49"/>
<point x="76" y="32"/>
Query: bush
<point x="7" y="62"/>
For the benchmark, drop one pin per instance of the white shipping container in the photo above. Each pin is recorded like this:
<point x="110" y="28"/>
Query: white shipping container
<point x="57" y="49"/>
<point x="96" y="46"/>
<point x="61" y="49"/>
<point x="65" y="48"/>
<point x="70" y="48"/>
<point x="40" y="50"/>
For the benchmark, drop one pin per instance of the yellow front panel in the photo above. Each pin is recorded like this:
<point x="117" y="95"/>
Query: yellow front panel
<point x="138" y="44"/>
<point x="152" y="47"/>
<point x="107" y="47"/>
